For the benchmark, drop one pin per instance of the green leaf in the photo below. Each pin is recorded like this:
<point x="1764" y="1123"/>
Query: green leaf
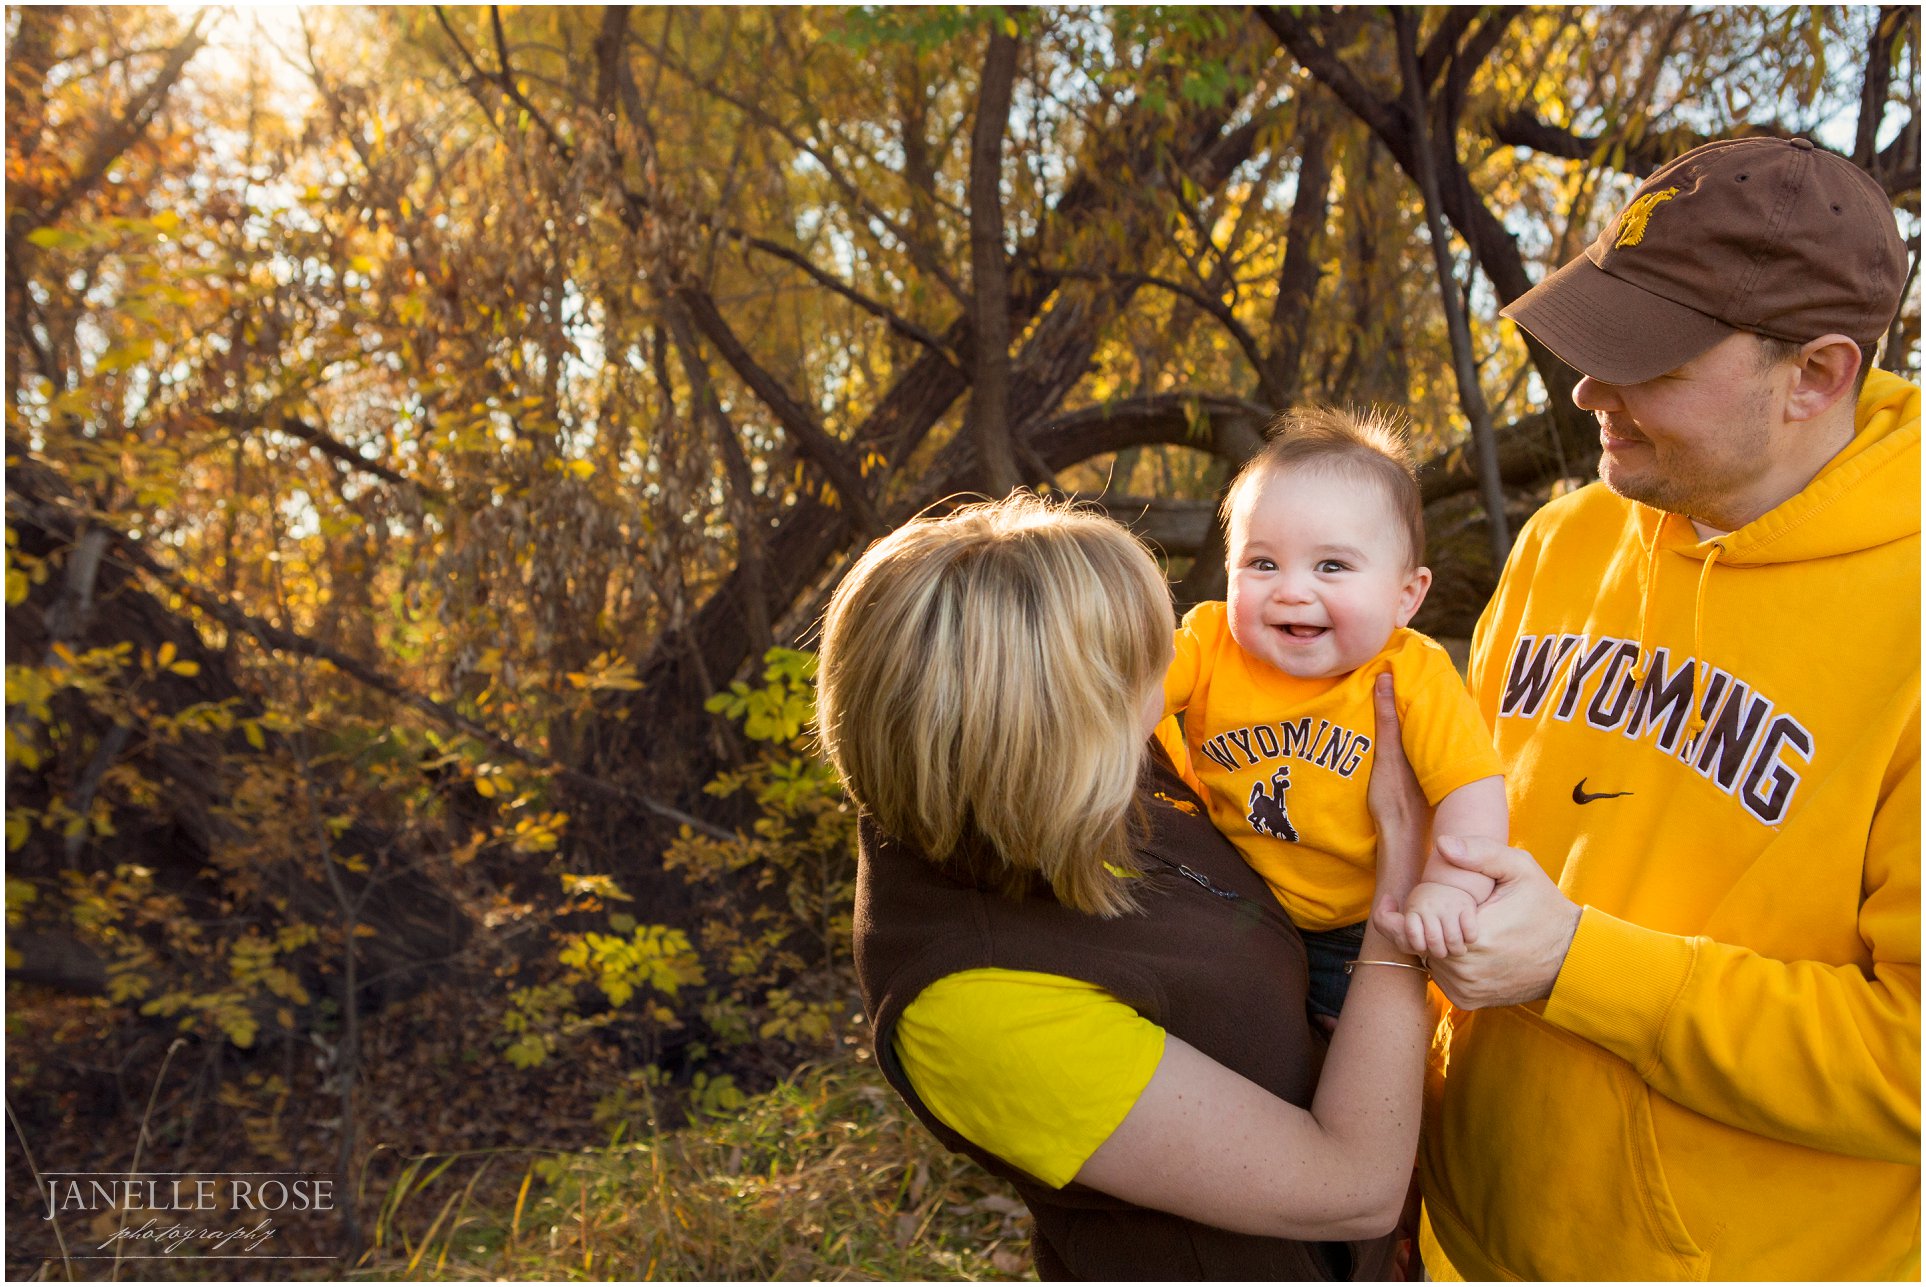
<point x="57" y="238"/>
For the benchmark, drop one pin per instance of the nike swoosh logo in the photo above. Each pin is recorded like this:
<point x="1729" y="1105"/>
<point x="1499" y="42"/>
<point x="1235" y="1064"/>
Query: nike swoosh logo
<point x="1581" y="796"/>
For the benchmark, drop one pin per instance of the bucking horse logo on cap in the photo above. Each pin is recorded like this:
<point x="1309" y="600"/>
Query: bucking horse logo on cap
<point x="1631" y="224"/>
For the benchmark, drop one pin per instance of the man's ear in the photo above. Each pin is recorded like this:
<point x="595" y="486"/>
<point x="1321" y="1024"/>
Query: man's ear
<point x="1411" y="597"/>
<point x="1823" y="372"/>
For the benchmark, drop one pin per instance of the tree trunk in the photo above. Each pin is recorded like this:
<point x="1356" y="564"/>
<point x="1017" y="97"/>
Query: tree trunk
<point x="1457" y="325"/>
<point x="989" y="417"/>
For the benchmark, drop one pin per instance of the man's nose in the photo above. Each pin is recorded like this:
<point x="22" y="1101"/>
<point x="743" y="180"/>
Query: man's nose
<point x="1595" y="395"/>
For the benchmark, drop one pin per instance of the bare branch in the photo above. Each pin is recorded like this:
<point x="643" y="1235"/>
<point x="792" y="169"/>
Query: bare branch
<point x="1492" y="245"/>
<point x="1327" y="67"/>
<point x="507" y="78"/>
<point x="751" y="555"/>
<point x="825" y="451"/>
<point x="1172" y="527"/>
<point x="1644" y="150"/>
<point x="919" y="253"/>
<point x="895" y="321"/>
<point x="324" y="442"/>
<point x="1228" y="427"/>
<point x="503" y="80"/>
<point x="1485" y="39"/>
<point x="277" y="639"/>
<point x="1215" y="307"/>
<point x="617" y="80"/>
<point x="120" y="136"/>
<point x="1442" y="48"/>
<point x="1530" y="450"/>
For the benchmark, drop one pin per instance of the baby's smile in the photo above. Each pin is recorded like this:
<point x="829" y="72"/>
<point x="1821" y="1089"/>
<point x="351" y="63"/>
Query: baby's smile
<point x="1318" y="571"/>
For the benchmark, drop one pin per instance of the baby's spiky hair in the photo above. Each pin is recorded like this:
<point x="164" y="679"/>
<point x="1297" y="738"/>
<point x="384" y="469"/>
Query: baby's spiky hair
<point x="1369" y="444"/>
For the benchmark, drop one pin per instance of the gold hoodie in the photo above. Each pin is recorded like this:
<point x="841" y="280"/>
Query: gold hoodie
<point x="1725" y="1080"/>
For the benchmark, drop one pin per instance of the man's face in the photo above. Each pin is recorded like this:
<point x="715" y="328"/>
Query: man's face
<point x="1319" y="574"/>
<point x="1706" y="440"/>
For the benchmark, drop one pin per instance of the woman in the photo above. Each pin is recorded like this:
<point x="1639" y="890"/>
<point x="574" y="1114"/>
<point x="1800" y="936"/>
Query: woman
<point x="1072" y="976"/>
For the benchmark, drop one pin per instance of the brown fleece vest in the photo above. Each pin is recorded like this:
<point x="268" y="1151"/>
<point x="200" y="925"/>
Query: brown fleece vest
<point x="1226" y="974"/>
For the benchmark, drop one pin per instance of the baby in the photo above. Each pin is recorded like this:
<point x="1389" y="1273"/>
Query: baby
<point x="1325" y="534"/>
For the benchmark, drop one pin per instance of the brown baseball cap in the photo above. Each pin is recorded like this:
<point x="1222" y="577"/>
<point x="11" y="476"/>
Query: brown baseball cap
<point x="1768" y="235"/>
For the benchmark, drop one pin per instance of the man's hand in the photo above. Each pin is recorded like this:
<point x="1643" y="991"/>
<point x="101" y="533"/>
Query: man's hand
<point x="1524" y="929"/>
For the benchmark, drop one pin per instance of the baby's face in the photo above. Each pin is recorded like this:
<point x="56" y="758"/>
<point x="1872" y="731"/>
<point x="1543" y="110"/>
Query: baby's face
<point x="1319" y="577"/>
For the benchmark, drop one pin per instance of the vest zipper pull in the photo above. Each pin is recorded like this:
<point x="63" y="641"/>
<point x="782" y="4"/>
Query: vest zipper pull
<point x="1184" y="869"/>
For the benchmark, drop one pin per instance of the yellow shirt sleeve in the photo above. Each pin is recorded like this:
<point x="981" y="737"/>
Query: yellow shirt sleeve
<point x="1038" y="1069"/>
<point x="1189" y="649"/>
<point x="1445" y="737"/>
<point x="1170" y="734"/>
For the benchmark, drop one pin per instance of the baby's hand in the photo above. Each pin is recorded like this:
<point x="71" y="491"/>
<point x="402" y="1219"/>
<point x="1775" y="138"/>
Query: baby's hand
<point x="1439" y="920"/>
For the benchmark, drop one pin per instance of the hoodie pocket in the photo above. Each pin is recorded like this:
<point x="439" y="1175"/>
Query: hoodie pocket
<point x="1540" y="1160"/>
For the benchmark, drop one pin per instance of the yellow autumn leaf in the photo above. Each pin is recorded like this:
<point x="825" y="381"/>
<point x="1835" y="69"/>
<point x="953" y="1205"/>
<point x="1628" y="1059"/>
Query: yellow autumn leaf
<point x="123" y="356"/>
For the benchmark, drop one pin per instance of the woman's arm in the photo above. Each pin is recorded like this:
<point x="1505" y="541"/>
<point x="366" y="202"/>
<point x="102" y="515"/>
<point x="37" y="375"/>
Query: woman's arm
<point x="1206" y="1143"/>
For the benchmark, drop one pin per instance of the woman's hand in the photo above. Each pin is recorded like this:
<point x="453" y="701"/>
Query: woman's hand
<point x="1398" y="806"/>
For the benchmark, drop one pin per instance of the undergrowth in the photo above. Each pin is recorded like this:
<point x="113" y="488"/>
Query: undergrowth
<point x="826" y="1177"/>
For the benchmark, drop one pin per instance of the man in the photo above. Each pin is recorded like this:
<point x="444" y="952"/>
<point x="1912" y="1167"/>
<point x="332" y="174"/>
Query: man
<point x="1687" y="1041"/>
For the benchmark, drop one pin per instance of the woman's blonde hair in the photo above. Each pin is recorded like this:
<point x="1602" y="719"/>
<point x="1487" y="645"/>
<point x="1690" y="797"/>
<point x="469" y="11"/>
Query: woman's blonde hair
<point x="981" y="679"/>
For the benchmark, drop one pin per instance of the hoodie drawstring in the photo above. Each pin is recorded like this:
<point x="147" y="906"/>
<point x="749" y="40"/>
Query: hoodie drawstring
<point x="1701" y="669"/>
<point x="1643" y="665"/>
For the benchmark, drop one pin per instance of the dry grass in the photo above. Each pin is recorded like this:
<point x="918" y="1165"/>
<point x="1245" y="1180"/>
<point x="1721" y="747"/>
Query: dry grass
<point x="825" y="1177"/>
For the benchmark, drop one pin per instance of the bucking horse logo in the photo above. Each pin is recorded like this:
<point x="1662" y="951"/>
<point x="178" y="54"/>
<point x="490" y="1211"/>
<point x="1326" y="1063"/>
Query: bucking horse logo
<point x="1267" y="813"/>
<point x="1631" y="224"/>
